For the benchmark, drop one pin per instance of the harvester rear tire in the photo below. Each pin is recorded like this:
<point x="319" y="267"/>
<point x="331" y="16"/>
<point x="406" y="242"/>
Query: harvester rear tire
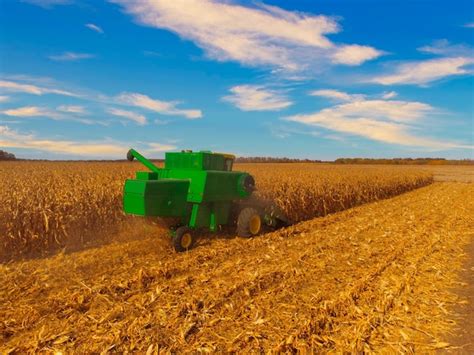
<point x="183" y="239"/>
<point x="249" y="222"/>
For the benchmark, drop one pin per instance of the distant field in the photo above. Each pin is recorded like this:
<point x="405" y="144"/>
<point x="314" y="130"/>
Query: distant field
<point x="460" y="173"/>
<point x="50" y="205"/>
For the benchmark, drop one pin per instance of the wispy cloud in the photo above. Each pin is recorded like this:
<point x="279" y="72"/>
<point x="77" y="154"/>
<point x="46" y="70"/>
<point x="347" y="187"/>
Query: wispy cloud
<point x="256" y="35"/>
<point x="133" y="116"/>
<point x="30" y="111"/>
<point x="387" y="121"/>
<point x="13" y="86"/>
<point x="62" y="113"/>
<point x="94" y="27"/>
<point x="72" y="109"/>
<point x="257" y="98"/>
<point x="425" y="71"/>
<point x="445" y="48"/>
<point x="71" y="56"/>
<point x="355" y="54"/>
<point x="336" y="95"/>
<point x="162" y="107"/>
<point x="158" y="147"/>
<point x="469" y="25"/>
<point x="4" y="98"/>
<point x="104" y="149"/>
<point x="41" y="86"/>
<point x="47" y="4"/>
<point x="389" y="95"/>
<point x="13" y="139"/>
<point x="454" y="60"/>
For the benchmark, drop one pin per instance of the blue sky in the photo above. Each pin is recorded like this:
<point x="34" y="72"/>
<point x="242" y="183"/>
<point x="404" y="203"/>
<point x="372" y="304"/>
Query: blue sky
<point x="320" y="79"/>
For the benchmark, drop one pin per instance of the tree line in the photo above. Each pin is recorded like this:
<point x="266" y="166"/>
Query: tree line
<point x="274" y="160"/>
<point x="6" y="156"/>
<point x="405" y="161"/>
<point x="397" y="161"/>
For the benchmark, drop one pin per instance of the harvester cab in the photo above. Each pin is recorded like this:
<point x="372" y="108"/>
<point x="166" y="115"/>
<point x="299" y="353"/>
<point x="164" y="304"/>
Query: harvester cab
<point x="201" y="191"/>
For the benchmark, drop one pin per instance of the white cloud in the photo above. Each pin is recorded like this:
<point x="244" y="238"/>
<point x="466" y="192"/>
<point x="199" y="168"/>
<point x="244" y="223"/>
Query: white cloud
<point x="389" y="95"/>
<point x="393" y="110"/>
<point x="355" y="54"/>
<point x="58" y="115"/>
<point x="426" y="71"/>
<point x="257" y="35"/>
<point x="257" y="98"/>
<point x="388" y="121"/>
<point x="93" y="27"/>
<point x="84" y="149"/>
<point x="140" y="119"/>
<point x="469" y="25"/>
<point x="12" y="86"/>
<point x="70" y="56"/>
<point x="4" y="98"/>
<point x="337" y="95"/>
<point x="30" y="111"/>
<point x="12" y="139"/>
<point x="42" y="86"/>
<point x="158" y="147"/>
<point x="72" y="109"/>
<point x="163" y="107"/>
<point x="445" y="48"/>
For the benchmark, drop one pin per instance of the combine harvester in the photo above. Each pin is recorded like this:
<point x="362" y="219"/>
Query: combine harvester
<point x="201" y="190"/>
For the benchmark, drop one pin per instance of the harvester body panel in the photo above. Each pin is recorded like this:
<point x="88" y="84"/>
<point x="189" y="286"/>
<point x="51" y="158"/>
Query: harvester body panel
<point x="166" y="198"/>
<point x="199" y="187"/>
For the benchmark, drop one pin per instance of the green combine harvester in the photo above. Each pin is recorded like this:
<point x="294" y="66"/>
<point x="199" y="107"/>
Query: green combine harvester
<point x="201" y="191"/>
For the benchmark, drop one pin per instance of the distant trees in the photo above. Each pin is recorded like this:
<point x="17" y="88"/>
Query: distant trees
<point x="394" y="161"/>
<point x="6" y="156"/>
<point x="273" y="160"/>
<point x="404" y="161"/>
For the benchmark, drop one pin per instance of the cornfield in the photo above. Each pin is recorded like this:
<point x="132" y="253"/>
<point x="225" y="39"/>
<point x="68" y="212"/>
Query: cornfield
<point x="375" y="278"/>
<point x="306" y="191"/>
<point x="46" y="206"/>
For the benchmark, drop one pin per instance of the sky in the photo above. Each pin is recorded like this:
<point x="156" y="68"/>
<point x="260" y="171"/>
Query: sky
<point x="317" y="79"/>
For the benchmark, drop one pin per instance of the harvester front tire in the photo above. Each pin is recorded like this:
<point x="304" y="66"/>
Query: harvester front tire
<point x="249" y="222"/>
<point x="183" y="239"/>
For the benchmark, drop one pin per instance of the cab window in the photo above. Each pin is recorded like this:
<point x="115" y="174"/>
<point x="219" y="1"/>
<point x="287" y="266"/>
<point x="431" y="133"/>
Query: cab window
<point x="228" y="164"/>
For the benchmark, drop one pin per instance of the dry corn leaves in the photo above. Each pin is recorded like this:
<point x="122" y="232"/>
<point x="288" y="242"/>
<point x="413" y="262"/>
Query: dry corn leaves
<point x="373" y="278"/>
<point x="45" y="206"/>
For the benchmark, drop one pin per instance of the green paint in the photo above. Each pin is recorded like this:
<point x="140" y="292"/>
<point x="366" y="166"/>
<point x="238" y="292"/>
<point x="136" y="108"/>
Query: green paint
<point x="199" y="187"/>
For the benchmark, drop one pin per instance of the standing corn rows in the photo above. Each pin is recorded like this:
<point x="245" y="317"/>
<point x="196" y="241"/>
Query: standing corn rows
<point x="46" y="205"/>
<point x="305" y="191"/>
